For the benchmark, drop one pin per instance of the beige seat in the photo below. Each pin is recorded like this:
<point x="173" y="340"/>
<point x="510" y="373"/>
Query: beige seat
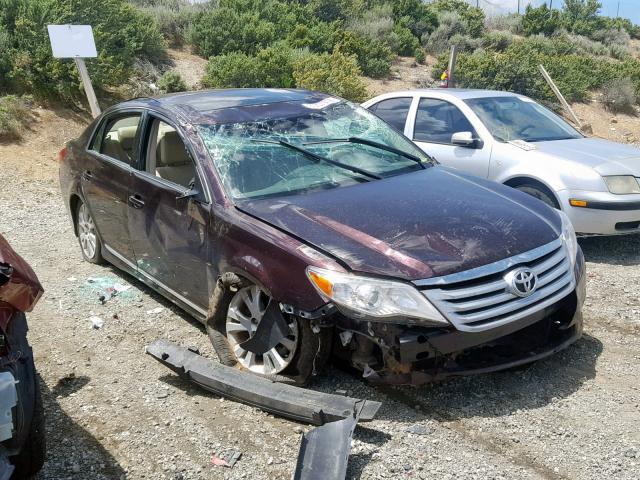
<point x="127" y="137"/>
<point x="172" y="160"/>
<point x="113" y="149"/>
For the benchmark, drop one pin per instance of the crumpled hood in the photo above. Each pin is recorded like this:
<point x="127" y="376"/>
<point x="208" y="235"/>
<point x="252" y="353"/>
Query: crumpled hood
<point x="607" y="158"/>
<point x="412" y="226"/>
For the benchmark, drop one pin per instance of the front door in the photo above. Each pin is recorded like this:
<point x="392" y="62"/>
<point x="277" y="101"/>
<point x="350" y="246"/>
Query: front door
<point x="168" y="220"/>
<point x="434" y="124"/>
<point x="106" y="179"/>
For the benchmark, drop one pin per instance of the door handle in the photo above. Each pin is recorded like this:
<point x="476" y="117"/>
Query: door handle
<point x="87" y="175"/>
<point x="136" y="201"/>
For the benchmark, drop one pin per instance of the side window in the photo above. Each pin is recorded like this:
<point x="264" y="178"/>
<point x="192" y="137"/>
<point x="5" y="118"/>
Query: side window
<point x="118" y="139"/>
<point x="168" y="158"/>
<point x="393" y="111"/>
<point x="438" y="120"/>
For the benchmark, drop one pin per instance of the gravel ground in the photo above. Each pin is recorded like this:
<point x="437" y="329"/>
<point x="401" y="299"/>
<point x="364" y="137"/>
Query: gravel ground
<point x="113" y="412"/>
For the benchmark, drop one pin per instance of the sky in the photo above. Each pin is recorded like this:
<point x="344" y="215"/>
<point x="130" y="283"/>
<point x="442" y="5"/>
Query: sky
<point x="628" y="8"/>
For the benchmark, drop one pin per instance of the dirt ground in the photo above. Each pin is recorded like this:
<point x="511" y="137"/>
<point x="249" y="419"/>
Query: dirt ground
<point x="113" y="412"/>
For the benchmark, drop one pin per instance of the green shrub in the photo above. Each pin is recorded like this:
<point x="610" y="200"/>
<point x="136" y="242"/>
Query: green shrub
<point x="374" y="57"/>
<point x="15" y="116"/>
<point x="122" y="34"/>
<point x="472" y="17"/>
<point x="505" y="23"/>
<point x="376" y="22"/>
<point x="319" y="37"/>
<point x="271" y="67"/>
<point x="332" y="10"/>
<point x="618" y="95"/>
<point x="581" y="16"/>
<point x="171" y="82"/>
<point x="540" y="20"/>
<point x="336" y="73"/>
<point x="612" y="36"/>
<point x="225" y="30"/>
<point x="174" y="19"/>
<point x="406" y="42"/>
<point x="421" y="57"/>
<point x="450" y="24"/>
<point x="415" y="15"/>
<point x="497" y="41"/>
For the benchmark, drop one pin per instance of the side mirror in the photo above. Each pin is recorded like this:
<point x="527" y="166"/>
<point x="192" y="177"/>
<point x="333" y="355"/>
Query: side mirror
<point x="463" y="139"/>
<point x="190" y="193"/>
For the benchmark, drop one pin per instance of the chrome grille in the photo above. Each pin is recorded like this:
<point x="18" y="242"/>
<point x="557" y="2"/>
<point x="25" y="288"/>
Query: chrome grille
<point x="479" y="299"/>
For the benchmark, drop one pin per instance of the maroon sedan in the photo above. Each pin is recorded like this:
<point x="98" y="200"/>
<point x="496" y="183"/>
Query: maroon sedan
<point x="292" y="223"/>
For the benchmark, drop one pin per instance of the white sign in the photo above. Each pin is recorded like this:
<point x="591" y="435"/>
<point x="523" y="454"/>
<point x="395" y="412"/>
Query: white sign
<point x="72" y="41"/>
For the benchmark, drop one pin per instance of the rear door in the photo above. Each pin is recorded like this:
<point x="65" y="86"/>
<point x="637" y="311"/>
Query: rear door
<point x="431" y="126"/>
<point x="169" y="216"/>
<point x="106" y="178"/>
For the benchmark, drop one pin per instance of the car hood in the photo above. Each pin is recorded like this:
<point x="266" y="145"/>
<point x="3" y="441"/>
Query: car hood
<point x="607" y="158"/>
<point x="413" y="226"/>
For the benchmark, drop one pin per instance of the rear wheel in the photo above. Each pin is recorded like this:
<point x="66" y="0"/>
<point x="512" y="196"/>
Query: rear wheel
<point x="293" y="359"/>
<point x="90" y="243"/>
<point x="540" y="194"/>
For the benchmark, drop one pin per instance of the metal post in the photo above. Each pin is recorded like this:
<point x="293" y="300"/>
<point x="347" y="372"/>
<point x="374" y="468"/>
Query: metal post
<point x="558" y="94"/>
<point x="618" y="10"/>
<point x="518" y="7"/>
<point x="452" y="66"/>
<point x="88" y="88"/>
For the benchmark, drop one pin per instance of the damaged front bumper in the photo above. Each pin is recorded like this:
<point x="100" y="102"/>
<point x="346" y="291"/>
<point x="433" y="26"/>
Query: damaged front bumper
<point x="281" y="399"/>
<point x="413" y="355"/>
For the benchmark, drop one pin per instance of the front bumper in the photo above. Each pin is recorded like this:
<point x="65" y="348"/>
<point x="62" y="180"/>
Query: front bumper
<point x="439" y="353"/>
<point x="605" y="213"/>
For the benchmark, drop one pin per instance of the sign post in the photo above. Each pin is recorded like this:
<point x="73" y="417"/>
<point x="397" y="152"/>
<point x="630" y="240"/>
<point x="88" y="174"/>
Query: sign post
<point x="76" y="41"/>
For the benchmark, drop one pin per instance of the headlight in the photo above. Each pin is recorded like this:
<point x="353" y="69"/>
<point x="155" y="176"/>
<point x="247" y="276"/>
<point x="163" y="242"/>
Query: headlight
<point x="374" y="299"/>
<point x="569" y="238"/>
<point x="622" y="184"/>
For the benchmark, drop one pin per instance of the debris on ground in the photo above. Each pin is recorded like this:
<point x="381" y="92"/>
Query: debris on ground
<point x="96" y="322"/>
<point x="418" y="429"/>
<point x="225" y="458"/>
<point x="155" y="311"/>
<point x="105" y="288"/>
<point x="281" y="399"/>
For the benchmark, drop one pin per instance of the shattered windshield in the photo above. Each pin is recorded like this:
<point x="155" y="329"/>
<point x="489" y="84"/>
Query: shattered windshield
<point x="311" y="150"/>
<point x="514" y="118"/>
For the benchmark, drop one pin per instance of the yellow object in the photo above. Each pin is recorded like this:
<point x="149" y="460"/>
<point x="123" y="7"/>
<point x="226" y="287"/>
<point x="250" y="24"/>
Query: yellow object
<point x="577" y="203"/>
<point x="324" y="284"/>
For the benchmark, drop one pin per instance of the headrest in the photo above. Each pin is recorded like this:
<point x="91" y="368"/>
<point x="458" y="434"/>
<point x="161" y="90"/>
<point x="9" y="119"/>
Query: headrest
<point x="126" y="136"/>
<point x="172" y="150"/>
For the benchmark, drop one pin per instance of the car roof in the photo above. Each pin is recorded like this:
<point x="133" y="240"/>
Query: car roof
<point x="461" y="93"/>
<point x="226" y="104"/>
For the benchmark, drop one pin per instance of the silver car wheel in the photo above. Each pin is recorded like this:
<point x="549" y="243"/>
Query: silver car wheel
<point x="246" y="309"/>
<point x="87" y="232"/>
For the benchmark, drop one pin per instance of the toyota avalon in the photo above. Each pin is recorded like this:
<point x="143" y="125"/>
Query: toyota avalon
<point x="295" y="224"/>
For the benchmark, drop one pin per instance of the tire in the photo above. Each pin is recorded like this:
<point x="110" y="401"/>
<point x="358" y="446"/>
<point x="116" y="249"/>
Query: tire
<point x="308" y="355"/>
<point x="88" y="238"/>
<point x="540" y="194"/>
<point x="31" y="458"/>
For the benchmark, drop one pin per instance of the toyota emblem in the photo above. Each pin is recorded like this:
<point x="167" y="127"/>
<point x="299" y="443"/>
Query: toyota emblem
<point x="521" y="281"/>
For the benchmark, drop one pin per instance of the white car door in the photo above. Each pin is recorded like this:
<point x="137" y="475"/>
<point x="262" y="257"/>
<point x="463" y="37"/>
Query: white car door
<point x="432" y="125"/>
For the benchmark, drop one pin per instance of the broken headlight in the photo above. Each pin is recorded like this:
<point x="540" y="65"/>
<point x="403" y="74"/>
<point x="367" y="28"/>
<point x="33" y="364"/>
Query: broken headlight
<point x="374" y="299"/>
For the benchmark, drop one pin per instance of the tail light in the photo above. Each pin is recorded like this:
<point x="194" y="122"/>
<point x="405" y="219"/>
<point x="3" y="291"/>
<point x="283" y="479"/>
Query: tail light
<point x="62" y="154"/>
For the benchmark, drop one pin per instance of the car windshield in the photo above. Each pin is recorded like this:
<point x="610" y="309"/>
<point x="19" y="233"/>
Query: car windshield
<point x="336" y="145"/>
<point x="519" y="118"/>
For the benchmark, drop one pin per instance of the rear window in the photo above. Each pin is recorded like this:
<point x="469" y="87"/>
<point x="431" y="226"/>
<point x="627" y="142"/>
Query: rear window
<point x="118" y="138"/>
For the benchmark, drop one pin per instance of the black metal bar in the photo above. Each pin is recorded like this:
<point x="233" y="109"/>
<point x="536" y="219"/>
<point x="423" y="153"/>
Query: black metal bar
<point x="281" y="399"/>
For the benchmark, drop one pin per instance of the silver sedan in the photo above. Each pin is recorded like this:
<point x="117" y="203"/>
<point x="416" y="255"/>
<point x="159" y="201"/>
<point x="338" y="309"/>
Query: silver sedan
<point x="511" y="139"/>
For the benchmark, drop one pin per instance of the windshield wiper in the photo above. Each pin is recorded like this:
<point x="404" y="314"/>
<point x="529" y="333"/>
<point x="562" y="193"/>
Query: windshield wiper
<point x="319" y="158"/>
<point x="371" y="143"/>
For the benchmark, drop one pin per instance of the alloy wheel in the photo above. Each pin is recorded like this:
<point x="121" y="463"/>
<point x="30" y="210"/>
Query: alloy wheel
<point x="246" y="309"/>
<point x="87" y="232"/>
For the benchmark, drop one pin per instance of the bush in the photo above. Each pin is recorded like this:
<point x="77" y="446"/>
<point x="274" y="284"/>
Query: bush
<point x="581" y="16"/>
<point x="472" y="17"/>
<point x="15" y="116"/>
<point x="374" y="57"/>
<point x="506" y="23"/>
<point x="271" y="67"/>
<point x="174" y="19"/>
<point x="421" y="57"/>
<point x="612" y="36"/>
<point x="375" y="23"/>
<point x="619" y="95"/>
<point x="121" y="32"/>
<point x="143" y="81"/>
<point x="337" y="73"/>
<point x="497" y="41"/>
<point x="451" y="23"/>
<point x="541" y="20"/>
<point x="171" y="82"/>
<point x="319" y="37"/>
<point x="405" y="43"/>
<point x="415" y="15"/>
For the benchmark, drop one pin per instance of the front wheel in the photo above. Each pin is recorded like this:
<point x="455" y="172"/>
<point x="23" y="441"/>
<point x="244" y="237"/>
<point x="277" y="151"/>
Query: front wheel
<point x="293" y="358"/>
<point x="540" y="194"/>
